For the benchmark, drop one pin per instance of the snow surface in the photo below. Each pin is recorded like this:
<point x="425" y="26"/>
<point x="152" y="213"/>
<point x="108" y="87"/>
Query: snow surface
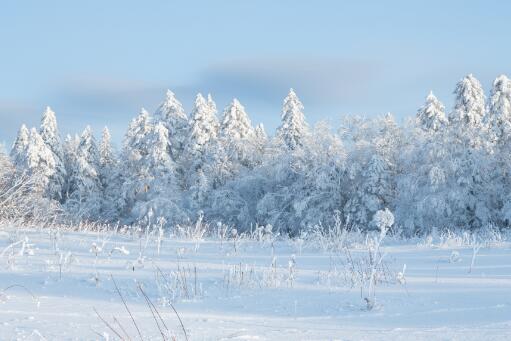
<point x="437" y="297"/>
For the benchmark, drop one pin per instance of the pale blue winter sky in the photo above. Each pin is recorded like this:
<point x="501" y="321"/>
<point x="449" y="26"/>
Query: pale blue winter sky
<point x="98" y="62"/>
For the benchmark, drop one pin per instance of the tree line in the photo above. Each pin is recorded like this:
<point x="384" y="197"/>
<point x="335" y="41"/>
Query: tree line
<point x="437" y="170"/>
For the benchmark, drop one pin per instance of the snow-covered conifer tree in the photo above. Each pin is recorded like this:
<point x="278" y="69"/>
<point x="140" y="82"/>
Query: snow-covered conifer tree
<point x="162" y="195"/>
<point x="19" y="148"/>
<point x="260" y="133"/>
<point x="203" y="129"/>
<point x="50" y="134"/>
<point x="237" y="136"/>
<point x="135" y="153"/>
<point x="431" y="116"/>
<point x="293" y="129"/>
<point x="212" y="105"/>
<point x="150" y="185"/>
<point x="499" y="108"/>
<point x="106" y="153"/>
<point x="235" y="122"/>
<point x="85" y="189"/>
<point x="39" y="162"/>
<point x="172" y="115"/>
<point x="111" y="179"/>
<point x="469" y="107"/>
<point x="70" y="146"/>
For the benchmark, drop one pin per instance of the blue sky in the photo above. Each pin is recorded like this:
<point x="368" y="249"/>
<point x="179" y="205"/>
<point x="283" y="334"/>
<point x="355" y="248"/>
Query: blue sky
<point x="99" y="62"/>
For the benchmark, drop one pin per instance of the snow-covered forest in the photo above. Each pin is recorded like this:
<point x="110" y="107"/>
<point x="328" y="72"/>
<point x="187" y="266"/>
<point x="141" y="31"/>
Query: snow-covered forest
<point x="444" y="168"/>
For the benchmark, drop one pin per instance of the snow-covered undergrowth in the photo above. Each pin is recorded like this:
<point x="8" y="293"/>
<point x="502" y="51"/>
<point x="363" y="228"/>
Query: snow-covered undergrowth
<point x="58" y="283"/>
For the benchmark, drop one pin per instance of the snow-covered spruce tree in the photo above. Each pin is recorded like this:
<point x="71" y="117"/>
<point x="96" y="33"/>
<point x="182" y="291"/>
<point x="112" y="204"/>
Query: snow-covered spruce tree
<point x="499" y="109"/>
<point x="469" y="178"/>
<point x="203" y="128"/>
<point x="150" y="185"/>
<point x="201" y="142"/>
<point x="19" y="148"/>
<point x="467" y="150"/>
<point x="70" y="146"/>
<point x="260" y="134"/>
<point x="225" y="156"/>
<point x="50" y="134"/>
<point x="293" y="129"/>
<point x="111" y="179"/>
<point x="38" y="162"/>
<point x="172" y="115"/>
<point x="235" y="146"/>
<point x="236" y="124"/>
<point x="228" y="167"/>
<point x="135" y="151"/>
<point x="431" y="116"/>
<point x="469" y="107"/>
<point x="260" y="143"/>
<point x="499" y="131"/>
<point x="85" y="189"/>
<point x="212" y="105"/>
<point x="162" y="196"/>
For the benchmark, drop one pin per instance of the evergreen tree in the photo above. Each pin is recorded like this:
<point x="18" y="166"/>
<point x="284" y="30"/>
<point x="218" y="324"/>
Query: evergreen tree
<point x="171" y="114"/>
<point x="431" y="116"/>
<point x="469" y="107"/>
<point x="135" y="153"/>
<point x="111" y="179"/>
<point x="499" y="109"/>
<point x="85" y="190"/>
<point x="293" y="129"/>
<point x="204" y="128"/>
<point x="70" y="147"/>
<point x="236" y="123"/>
<point x="212" y="105"/>
<point x="237" y="138"/>
<point x="260" y="133"/>
<point x="50" y="135"/>
<point x="39" y="162"/>
<point x="19" y="148"/>
<point x="161" y="197"/>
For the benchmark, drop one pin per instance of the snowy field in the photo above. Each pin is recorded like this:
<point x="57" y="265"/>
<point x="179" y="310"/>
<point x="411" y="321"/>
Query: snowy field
<point x="57" y="284"/>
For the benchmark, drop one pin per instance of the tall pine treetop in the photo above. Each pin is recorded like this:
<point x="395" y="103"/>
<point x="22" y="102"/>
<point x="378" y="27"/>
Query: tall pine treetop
<point x="172" y="115"/>
<point x="293" y="129"/>
<point x="88" y="148"/>
<point x="138" y="128"/>
<point x="499" y="107"/>
<point x="211" y="104"/>
<point x="204" y="125"/>
<point x="469" y="107"/>
<point x="170" y="109"/>
<point x="19" y="148"/>
<point x="236" y="123"/>
<point x="106" y="154"/>
<point x="431" y="116"/>
<point x="50" y="133"/>
<point x="39" y="159"/>
<point x="158" y="144"/>
<point x="260" y="132"/>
